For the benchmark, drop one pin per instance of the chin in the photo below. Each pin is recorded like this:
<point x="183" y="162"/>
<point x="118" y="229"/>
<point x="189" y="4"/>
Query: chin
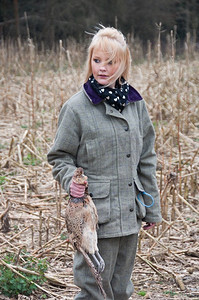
<point x="103" y="82"/>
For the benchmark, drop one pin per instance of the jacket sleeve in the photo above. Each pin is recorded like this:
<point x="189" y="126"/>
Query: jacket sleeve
<point x="62" y="155"/>
<point x="147" y="169"/>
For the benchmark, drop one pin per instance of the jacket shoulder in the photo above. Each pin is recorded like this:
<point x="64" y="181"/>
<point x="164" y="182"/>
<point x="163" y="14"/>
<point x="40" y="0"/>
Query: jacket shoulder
<point x="141" y="107"/>
<point x="76" y="101"/>
<point x="75" y="107"/>
<point x="141" y="103"/>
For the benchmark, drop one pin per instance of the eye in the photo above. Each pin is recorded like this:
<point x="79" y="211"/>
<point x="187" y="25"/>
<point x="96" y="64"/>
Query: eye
<point x="110" y="62"/>
<point x="96" y="60"/>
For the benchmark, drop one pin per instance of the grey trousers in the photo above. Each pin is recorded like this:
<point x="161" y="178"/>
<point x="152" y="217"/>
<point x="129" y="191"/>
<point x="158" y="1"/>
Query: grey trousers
<point x="119" y="255"/>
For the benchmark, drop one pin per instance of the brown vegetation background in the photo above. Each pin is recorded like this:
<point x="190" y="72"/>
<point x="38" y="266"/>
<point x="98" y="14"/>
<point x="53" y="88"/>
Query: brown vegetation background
<point x="47" y="22"/>
<point x="33" y="87"/>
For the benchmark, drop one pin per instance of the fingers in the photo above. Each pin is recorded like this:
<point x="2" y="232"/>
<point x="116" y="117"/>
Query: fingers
<point x="148" y="226"/>
<point x="77" y="190"/>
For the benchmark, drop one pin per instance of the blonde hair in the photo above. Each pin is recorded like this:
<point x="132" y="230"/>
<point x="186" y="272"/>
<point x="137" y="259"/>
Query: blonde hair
<point x="111" y="41"/>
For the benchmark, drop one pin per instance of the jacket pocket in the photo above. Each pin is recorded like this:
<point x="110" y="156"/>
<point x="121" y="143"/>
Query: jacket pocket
<point x="100" y="193"/>
<point x="140" y="208"/>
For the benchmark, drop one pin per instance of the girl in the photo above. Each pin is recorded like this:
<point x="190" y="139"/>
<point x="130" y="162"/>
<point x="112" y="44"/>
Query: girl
<point x="106" y="130"/>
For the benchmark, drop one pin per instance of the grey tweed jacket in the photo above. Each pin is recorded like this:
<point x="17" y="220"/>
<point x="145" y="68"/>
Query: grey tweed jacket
<point x="116" y="151"/>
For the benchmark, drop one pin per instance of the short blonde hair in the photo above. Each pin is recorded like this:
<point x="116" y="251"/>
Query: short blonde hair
<point x="113" y="42"/>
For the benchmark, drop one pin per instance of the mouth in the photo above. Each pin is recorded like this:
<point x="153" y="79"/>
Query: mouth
<point x="103" y="76"/>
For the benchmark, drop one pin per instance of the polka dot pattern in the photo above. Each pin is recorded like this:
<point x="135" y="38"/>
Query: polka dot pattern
<point x="116" y="97"/>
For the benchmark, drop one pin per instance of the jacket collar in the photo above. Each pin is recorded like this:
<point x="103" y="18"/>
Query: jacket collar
<point x="133" y="95"/>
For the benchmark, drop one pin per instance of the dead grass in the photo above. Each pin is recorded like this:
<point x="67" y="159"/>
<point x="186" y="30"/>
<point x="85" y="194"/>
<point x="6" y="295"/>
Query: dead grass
<point x="33" y="88"/>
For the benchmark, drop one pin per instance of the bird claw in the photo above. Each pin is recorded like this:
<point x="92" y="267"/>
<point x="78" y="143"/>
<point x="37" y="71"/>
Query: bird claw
<point x="99" y="261"/>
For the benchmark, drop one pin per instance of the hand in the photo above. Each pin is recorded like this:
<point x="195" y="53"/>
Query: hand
<point x="148" y="226"/>
<point x="77" y="190"/>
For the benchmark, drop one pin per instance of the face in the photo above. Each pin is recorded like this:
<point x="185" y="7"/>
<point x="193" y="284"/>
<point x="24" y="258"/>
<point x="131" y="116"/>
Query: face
<point x="102" y="71"/>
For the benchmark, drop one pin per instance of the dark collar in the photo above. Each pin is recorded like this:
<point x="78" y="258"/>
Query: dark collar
<point x="133" y="95"/>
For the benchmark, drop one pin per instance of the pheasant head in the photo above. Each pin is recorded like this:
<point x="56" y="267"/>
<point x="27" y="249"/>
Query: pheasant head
<point x="79" y="177"/>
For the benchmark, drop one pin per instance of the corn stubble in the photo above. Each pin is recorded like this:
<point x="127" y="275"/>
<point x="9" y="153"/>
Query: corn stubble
<point x="33" y="87"/>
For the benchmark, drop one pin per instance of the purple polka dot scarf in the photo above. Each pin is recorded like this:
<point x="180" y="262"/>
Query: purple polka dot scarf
<point x="116" y="97"/>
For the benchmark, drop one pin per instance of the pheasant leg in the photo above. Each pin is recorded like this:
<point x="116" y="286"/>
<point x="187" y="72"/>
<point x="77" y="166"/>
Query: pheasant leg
<point x="99" y="261"/>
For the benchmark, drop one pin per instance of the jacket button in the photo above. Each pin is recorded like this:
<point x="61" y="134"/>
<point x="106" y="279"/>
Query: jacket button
<point x="128" y="155"/>
<point x="131" y="209"/>
<point x="130" y="183"/>
<point x="91" y="194"/>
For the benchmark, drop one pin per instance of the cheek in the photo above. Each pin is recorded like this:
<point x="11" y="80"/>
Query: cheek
<point x="93" y="68"/>
<point x="114" y="68"/>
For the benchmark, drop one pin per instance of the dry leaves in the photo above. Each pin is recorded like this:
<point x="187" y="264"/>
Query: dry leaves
<point x="32" y="205"/>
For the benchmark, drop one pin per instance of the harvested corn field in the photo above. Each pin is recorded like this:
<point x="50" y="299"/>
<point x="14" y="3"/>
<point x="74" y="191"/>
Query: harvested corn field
<point x="33" y="88"/>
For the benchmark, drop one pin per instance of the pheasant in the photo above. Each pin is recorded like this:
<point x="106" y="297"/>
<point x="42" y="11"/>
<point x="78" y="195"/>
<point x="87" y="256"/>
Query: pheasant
<point x="81" y="224"/>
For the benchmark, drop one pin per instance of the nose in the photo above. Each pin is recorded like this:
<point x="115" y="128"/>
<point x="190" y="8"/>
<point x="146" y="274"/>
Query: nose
<point x="102" y="68"/>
